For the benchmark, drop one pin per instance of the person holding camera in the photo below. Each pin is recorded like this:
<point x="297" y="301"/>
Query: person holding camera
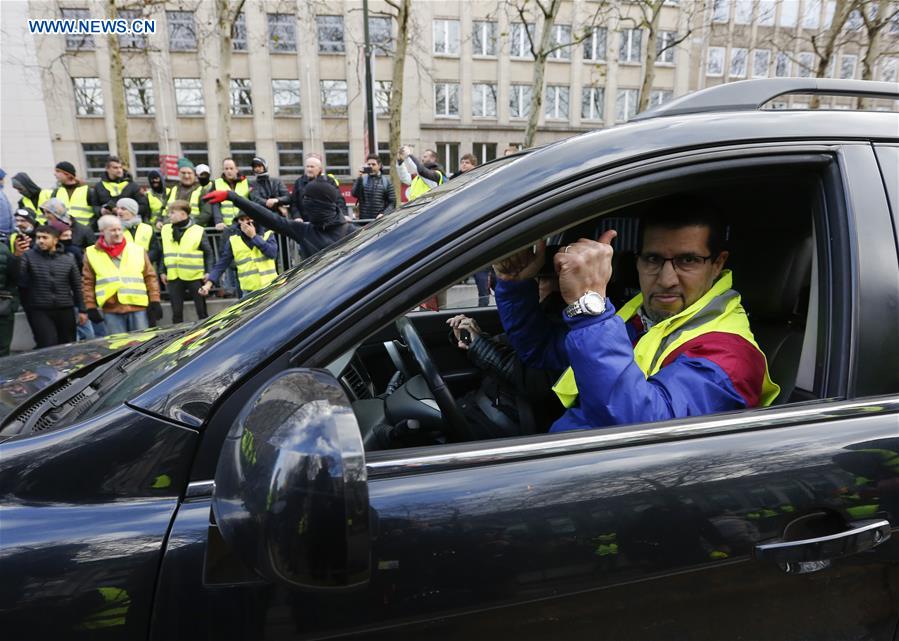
<point x="268" y="191"/>
<point x="373" y="190"/>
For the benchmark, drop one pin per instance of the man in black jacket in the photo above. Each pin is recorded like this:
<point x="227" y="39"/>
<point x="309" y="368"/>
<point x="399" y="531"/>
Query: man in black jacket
<point x="117" y="183"/>
<point x="268" y="191"/>
<point x="373" y="190"/>
<point x="50" y="285"/>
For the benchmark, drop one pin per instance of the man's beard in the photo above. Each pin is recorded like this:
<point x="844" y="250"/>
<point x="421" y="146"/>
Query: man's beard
<point x="657" y="316"/>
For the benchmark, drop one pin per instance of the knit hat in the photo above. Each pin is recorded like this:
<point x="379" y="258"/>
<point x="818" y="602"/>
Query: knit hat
<point x="27" y="214"/>
<point x="184" y="162"/>
<point x="258" y="160"/>
<point x="128" y="203"/>
<point x="203" y="169"/>
<point x="67" y="167"/>
<point x="59" y="225"/>
<point x="56" y="207"/>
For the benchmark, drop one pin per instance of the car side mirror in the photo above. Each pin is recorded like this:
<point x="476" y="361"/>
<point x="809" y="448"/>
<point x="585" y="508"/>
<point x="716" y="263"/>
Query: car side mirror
<point x="291" y="494"/>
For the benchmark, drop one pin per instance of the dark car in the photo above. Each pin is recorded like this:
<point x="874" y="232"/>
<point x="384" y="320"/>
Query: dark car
<point x="250" y="477"/>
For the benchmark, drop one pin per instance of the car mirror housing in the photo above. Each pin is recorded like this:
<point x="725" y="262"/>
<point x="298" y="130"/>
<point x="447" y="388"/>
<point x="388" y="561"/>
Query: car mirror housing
<point x="291" y="494"/>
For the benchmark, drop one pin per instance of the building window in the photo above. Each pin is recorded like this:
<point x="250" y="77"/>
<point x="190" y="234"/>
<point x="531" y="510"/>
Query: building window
<point x="333" y="98"/>
<point x="483" y="101"/>
<point x="88" y="96"/>
<point x="196" y="152"/>
<point x="189" y="97"/>
<point x="380" y="35"/>
<point x="241" y="97"/>
<point x="847" y="66"/>
<point x="182" y="31"/>
<point x="146" y="158"/>
<point x="286" y="97"/>
<point x="738" y="62"/>
<point x="95" y="155"/>
<point x="789" y="13"/>
<point x="766" y="12"/>
<point x="715" y="65"/>
<point x="239" y="33"/>
<point x="742" y="11"/>
<point x="519" y="101"/>
<point x="446" y="99"/>
<point x="660" y="97"/>
<point x="446" y="37"/>
<point x="783" y="66"/>
<point x="812" y="15"/>
<point x="855" y="21"/>
<point x="243" y="153"/>
<point x="483" y="38"/>
<point x="629" y="49"/>
<point x="382" y="97"/>
<point x="519" y="41"/>
<point x="595" y="44"/>
<point x="290" y="159"/>
<point x="806" y="62"/>
<point x="330" y="34"/>
<point x="337" y="158"/>
<point x="484" y="151"/>
<point x="282" y="32"/>
<point x="761" y="58"/>
<point x="384" y="156"/>
<point x="626" y="104"/>
<point x="77" y="42"/>
<point x="665" y="47"/>
<point x="448" y="156"/>
<point x="888" y="69"/>
<point x="562" y="39"/>
<point x="721" y="10"/>
<point x="139" y="96"/>
<point x="131" y="40"/>
<point x="592" y="100"/>
<point x="555" y="104"/>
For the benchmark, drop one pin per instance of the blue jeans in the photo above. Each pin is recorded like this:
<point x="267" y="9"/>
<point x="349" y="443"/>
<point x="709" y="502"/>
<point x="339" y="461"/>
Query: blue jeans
<point x="122" y="323"/>
<point x="83" y="332"/>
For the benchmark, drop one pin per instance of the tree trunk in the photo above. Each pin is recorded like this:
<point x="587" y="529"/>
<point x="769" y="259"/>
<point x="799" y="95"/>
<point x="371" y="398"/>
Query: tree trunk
<point x="649" y="59"/>
<point x="869" y="60"/>
<point x="116" y="78"/>
<point x="841" y="12"/>
<point x="549" y="20"/>
<point x="395" y="107"/>
<point x="221" y="146"/>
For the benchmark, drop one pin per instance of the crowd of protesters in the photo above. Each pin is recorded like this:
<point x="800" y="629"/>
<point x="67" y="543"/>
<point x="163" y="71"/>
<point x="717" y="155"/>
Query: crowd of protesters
<point x="84" y="261"/>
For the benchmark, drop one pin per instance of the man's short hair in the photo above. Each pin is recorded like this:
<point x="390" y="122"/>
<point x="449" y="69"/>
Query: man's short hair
<point x="685" y="210"/>
<point x="470" y="158"/>
<point x="112" y="159"/>
<point x="106" y="220"/>
<point x="47" y="229"/>
<point x="373" y="157"/>
<point x="181" y="205"/>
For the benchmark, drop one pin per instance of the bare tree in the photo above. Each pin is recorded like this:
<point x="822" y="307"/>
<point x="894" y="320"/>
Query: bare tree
<point x="225" y="16"/>
<point x="117" y="79"/>
<point x="876" y="17"/>
<point x="402" y="18"/>
<point x="825" y="44"/>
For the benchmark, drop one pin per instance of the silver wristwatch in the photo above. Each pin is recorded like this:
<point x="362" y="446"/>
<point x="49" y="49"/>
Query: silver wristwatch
<point x="590" y="304"/>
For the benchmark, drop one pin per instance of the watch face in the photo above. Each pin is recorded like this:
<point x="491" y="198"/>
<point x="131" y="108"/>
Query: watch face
<point x="594" y="304"/>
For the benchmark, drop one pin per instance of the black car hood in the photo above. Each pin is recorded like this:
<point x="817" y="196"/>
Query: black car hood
<point x="23" y="375"/>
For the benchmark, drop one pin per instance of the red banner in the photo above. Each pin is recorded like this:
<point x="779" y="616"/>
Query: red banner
<point x="169" y="165"/>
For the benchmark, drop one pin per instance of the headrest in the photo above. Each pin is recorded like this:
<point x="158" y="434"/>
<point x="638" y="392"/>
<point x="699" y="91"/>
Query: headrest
<point x="772" y="274"/>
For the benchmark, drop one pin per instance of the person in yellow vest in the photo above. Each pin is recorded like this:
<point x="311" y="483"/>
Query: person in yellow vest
<point x="189" y="189"/>
<point x="117" y="183"/>
<point x="157" y="195"/>
<point x="254" y="253"/>
<point x="136" y="230"/>
<point x="32" y="195"/>
<point x="119" y="283"/>
<point x="74" y="194"/>
<point x="186" y="260"/>
<point x="224" y="213"/>
<point x="682" y="347"/>
<point x="428" y="172"/>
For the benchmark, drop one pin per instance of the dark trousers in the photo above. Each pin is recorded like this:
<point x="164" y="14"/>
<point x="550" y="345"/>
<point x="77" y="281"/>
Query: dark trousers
<point x="52" y="326"/>
<point x="179" y="291"/>
<point x="7" y="324"/>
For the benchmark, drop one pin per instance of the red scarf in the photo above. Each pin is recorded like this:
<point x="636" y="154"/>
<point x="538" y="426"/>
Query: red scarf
<point x="114" y="251"/>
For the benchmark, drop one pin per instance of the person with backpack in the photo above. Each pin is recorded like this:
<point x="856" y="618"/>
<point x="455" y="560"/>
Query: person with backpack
<point x="373" y="190"/>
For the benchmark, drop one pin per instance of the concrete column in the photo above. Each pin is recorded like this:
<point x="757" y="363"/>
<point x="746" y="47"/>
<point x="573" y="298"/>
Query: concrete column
<point x="261" y="84"/>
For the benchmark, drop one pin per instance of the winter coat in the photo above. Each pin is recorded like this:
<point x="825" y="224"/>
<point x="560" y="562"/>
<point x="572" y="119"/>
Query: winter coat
<point x="130" y="189"/>
<point x="50" y="280"/>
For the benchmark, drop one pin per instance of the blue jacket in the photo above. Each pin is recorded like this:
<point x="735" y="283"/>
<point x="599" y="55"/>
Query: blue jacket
<point x="702" y="377"/>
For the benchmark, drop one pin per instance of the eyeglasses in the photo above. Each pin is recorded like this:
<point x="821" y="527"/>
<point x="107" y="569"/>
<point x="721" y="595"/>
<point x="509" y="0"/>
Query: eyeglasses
<point x="652" y="264"/>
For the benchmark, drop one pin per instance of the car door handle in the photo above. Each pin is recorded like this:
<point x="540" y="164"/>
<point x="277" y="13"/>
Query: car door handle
<point x="802" y="556"/>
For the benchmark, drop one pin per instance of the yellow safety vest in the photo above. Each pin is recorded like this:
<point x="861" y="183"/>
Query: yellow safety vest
<point x="649" y="352"/>
<point x="194" y="199"/>
<point x="157" y="204"/>
<point x="12" y="241"/>
<point x="142" y="236"/>
<point x="419" y="187"/>
<point x="77" y="206"/>
<point x="42" y="197"/>
<point x="229" y="209"/>
<point x="255" y="270"/>
<point x="184" y="260"/>
<point x="125" y="281"/>
<point x="115" y="189"/>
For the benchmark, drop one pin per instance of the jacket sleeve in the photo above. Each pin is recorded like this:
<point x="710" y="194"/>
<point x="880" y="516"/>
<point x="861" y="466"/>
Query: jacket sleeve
<point x="268" y="247"/>
<point x="499" y="359"/>
<point x="222" y="263"/>
<point x="424" y="172"/>
<point x="282" y="194"/>
<point x="208" y="255"/>
<point x="256" y="194"/>
<point x="75" y="284"/>
<point x="88" y="285"/>
<point x="155" y="250"/>
<point x="265" y="217"/>
<point x="24" y="279"/>
<point x="612" y="389"/>
<point x="358" y="190"/>
<point x="296" y="207"/>
<point x="403" y="173"/>
<point x="390" y="199"/>
<point x="150" y="280"/>
<point x="217" y="214"/>
<point x="538" y="343"/>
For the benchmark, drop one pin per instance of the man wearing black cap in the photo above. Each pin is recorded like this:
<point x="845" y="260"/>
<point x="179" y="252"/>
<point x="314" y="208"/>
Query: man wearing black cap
<point x="323" y="225"/>
<point x="117" y="183"/>
<point x="32" y="195"/>
<point x="157" y="195"/>
<point x="267" y="191"/>
<point x="74" y="194"/>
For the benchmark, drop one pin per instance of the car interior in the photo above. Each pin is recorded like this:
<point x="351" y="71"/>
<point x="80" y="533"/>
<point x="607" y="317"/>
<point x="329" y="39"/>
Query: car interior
<point x="411" y="385"/>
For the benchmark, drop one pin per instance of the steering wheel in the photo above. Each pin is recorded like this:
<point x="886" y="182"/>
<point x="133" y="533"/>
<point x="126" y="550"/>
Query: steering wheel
<point x="457" y="426"/>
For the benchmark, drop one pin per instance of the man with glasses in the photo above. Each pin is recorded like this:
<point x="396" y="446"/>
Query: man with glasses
<point x="682" y="347"/>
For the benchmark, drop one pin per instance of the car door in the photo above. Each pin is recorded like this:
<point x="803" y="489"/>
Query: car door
<point x="647" y="531"/>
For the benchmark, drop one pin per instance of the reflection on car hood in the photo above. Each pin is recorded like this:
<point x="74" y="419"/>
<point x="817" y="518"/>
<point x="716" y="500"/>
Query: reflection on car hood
<point x="23" y="375"/>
